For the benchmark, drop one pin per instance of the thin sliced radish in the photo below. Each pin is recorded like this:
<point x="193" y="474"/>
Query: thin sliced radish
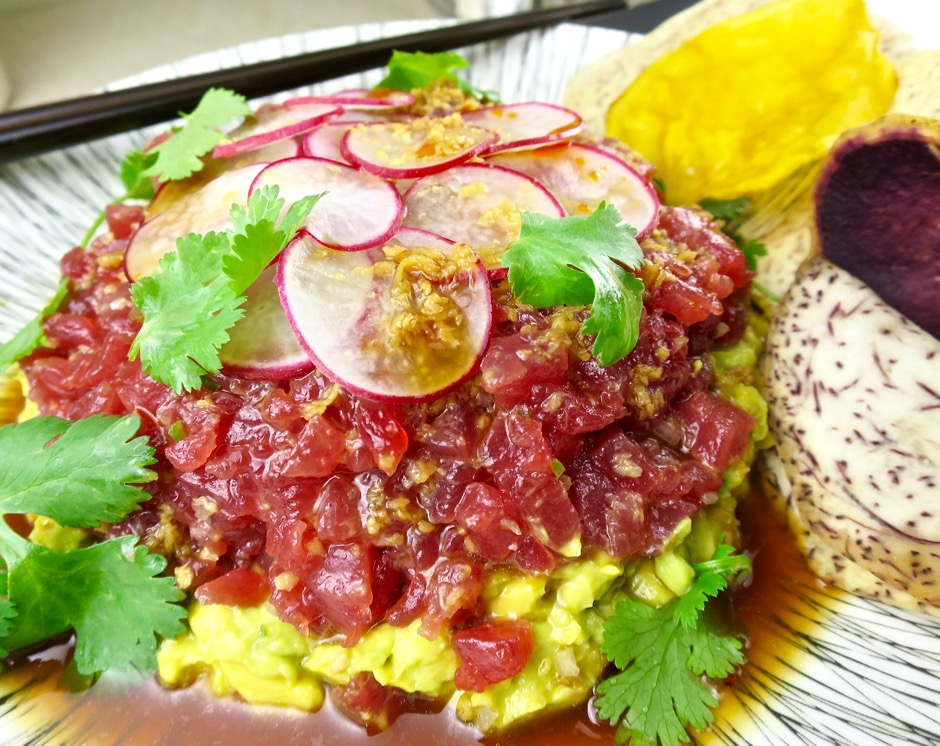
<point x="415" y="238"/>
<point x="276" y="124"/>
<point x="358" y="98"/>
<point x="412" y="149"/>
<point x="326" y="140"/>
<point x="276" y="151"/>
<point x="526" y="125"/>
<point x="207" y="209"/>
<point x="583" y="176"/>
<point x="356" y="211"/>
<point x="262" y="343"/>
<point x="364" y="319"/>
<point x="361" y="115"/>
<point x="479" y="205"/>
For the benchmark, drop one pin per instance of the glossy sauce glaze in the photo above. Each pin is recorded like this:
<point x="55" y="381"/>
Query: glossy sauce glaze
<point x="767" y="612"/>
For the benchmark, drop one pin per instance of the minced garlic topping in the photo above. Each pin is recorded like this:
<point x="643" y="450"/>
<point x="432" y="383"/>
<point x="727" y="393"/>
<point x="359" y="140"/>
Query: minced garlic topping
<point x="424" y="329"/>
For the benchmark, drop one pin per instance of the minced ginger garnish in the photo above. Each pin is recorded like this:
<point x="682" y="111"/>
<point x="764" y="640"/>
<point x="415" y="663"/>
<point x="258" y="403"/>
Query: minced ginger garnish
<point x="423" y="330"/>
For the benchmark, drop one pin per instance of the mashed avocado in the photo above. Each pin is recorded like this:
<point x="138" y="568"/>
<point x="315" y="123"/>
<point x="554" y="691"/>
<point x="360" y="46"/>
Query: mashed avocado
<point x="250" y="652"/>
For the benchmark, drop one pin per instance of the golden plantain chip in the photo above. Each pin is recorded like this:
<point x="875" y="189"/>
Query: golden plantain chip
<point x="739" y="107"/>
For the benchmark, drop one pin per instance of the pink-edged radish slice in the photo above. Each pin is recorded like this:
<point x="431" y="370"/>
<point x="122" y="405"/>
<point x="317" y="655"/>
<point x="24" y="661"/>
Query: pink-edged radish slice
<point x="326" y="140"/>
<point x="527" y="125"/>
<point x="205" y="210"/>
<point x="358" y="98"/>
<point x="417" y="148"/>
<point x="276" y="151"/>
<point x="477" y="204"/>
<point x="390" y="323"/>
<point x="415" y="238"/>
<point x="361" y="115"/>
<point x="583" y="176"/>
<point x="356" y="211"/>
<point x="262" y="343"/>
<point x="276" y="124"/>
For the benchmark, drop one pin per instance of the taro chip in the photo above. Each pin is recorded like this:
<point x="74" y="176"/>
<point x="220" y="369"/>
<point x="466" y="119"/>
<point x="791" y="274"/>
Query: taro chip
<point x="742" y="105"/>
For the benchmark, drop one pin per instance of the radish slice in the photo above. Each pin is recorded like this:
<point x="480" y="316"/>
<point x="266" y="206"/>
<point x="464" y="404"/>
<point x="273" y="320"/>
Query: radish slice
<point x="276" y="151"/>
<point x="363" y="317"/>
<point x="583" y="176"/>
<point x="357" y="211"/>
<point x="276" y="124"/>
<point x="423" y="146"/>
<point x="528" y="125"/>
<point x="326" y="140"/>
<point x="415" y="238"/>
<point x="360" y="115"/>
<point x="479" y="205"/>
<point x="262" y="343"/>
<point x="202" y="211"/>
<point x="359" y="98"/>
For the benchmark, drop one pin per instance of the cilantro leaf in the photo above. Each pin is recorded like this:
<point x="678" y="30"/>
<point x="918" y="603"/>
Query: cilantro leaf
<point x="751" y="248"/>
<point x="409" y="70"/>
<point x="662" y="655"/>
<point x="180" y="155"/>
<point x="194" y="298"/>
<point x="656" y="693"/>
<point x="80" y="590"/>
<point x="258" y="239"/>
<point x="78" y="474"/>
<point x="726" y="209"/>
<point x="188" y="308"/>
<point x="711" y="578"/>
<point x="31" y="336"/>
<point x="138" y="185"/>
<point x="580" y="260"/>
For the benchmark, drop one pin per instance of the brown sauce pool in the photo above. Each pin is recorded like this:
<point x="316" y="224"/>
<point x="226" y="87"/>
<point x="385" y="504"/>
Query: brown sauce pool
<point x="35" y="696"/>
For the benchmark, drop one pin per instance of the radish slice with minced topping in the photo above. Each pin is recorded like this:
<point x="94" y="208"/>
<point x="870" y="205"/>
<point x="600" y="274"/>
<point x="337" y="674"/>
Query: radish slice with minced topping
<point x="390" y="323"/>
<point x="357" y="210"/>
<point x="326" y="140"/>
<point x="262" y="343"/>
<point x="276" y="124"/>
<point x="477" y="204"/>
<point x="205" y="210"/>
<point x="583" y="176"/>
<point x="415" y="238"/>
<point x="526" y="125"/>
<point x="358" y="98"/>
<point x="413" y="149"/>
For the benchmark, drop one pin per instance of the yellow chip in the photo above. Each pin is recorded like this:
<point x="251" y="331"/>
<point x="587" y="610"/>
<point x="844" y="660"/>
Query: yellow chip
<point x="742" y="105"/>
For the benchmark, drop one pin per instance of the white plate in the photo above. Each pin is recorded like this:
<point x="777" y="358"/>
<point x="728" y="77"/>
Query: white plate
<point x="850" y="671"/>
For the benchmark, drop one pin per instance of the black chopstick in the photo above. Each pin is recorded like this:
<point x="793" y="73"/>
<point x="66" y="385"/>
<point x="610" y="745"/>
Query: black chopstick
<point x="27" y="132"/>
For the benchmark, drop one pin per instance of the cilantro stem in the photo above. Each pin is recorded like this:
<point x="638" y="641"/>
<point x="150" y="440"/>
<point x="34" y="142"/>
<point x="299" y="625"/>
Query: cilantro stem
<point x="90" y="233"/>
<point x="766" y="292"/>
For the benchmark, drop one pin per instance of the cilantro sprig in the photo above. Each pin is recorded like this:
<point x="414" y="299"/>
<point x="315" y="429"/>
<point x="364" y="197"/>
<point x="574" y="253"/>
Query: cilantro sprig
<point x="180" y="155"/>
<point x="410" y="70"/>
<point x="195" y="296"/>
<point x="578" y="261"/>
<point x="82" y="474"/>
<point x="663" y="655"/>
<point x="31" y="336"/>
